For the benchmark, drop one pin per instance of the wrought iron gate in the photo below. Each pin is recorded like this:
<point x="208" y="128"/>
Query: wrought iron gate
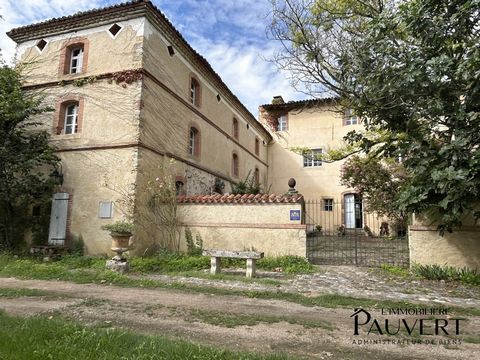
<point x="345" y="234"/>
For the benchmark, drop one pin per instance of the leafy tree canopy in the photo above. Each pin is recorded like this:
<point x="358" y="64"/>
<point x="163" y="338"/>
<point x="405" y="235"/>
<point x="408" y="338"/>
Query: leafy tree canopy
<point x="26" y="158"/>
<point x="411" y="71"/>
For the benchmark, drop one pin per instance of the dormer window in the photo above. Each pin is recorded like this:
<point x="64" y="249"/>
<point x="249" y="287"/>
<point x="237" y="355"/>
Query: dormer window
<point x="76" y="60"/>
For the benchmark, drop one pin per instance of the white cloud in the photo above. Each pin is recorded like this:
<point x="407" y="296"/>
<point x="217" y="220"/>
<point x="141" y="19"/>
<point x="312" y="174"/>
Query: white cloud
<point x="251" y="78"/>
<point x="17" y="13"/>
<point x="229" y="34"/>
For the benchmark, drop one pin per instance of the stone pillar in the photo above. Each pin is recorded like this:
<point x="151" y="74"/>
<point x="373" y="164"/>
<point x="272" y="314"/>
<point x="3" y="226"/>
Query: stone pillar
<point x="251" y="268"/>
<point x="214" y="265"/>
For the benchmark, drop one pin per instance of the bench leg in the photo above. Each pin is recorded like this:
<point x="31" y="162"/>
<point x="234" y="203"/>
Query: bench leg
<point x="251" y="268"/>
<point x="214" y="265"/>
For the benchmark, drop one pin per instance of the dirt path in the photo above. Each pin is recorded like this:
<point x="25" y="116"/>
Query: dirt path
<point x="227" y="321"/>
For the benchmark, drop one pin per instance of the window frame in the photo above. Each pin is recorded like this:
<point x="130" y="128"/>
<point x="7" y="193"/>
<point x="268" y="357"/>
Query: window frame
<point x="257" y="146"/>
<point x="283" y="127"/>
<point x="195" y="91"/>
<point x="62" y="117"/>
<point x="194" y="141"/>
<point x="79" y="60"/>
<point x="309" y="161"/>
<point x="349" y="118"/>
<point x="235" y="128"/>
<point x="235" y="165"/>
<point x="73" y="116"/>
<point x="328" y="204"/>
<point x="66" y="58"/>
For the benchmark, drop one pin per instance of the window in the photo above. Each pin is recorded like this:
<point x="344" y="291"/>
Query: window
<point x="105" y="210"/>
<point x="73" y="57"/>
<point x="76" y="60"/>
<point x="311" y="159"/>
<point x="179" y="186"/>
<point x="194" y="142"/>
<point x="350" y="117"/>
<point x="235" y="165"/>
<point x="328" y="204"/>
<point x="114" y="29"/>
<point x="194" y="92"/>
<point x="41" y="45"/>
<point x="257" y="146"/>
<point x="70" y="125"/>
<point x="256" y="176"/>
<point x="282" y="123"/>
<point x="235" y="128"/>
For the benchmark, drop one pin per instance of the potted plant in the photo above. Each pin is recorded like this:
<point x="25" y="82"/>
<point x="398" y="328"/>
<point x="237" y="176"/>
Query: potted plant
<point x="121" y="232"/>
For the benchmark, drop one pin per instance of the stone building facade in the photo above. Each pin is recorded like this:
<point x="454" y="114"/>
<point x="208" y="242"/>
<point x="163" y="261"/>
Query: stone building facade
<point x="130" y="94"/>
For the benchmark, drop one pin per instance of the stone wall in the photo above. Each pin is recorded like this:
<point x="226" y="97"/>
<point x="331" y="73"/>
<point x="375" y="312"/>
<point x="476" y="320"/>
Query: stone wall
<point x="259" y="225"/>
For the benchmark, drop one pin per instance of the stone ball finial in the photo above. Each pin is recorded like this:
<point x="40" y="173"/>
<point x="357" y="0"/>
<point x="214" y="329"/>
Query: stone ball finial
<point x="291" y="183"/>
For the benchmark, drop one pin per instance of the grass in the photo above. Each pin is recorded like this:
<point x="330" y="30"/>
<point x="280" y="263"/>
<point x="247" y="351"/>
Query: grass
<point x="31" y="269"/>
<point x="167" y="262"/>
<point x="13" y="293"/>
<point x="42" y="338"/>
<point x="231" y="320"/>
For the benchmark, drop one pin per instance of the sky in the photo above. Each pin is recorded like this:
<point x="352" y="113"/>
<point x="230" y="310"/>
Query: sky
<point x="230" y="34"/>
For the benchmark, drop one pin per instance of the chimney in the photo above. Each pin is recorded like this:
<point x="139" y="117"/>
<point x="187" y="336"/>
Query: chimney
<point x="278" y="99"/>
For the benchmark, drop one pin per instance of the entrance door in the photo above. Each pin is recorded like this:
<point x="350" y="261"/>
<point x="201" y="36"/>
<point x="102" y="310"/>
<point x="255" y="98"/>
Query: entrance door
<point x="58" y="219"/>
<point x="353" y="211"/>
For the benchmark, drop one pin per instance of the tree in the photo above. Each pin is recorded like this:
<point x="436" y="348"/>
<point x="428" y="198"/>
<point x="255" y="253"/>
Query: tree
<point x="379" y="183"/>
<point x="26" y="159"/>
<point x="410" y="70"/>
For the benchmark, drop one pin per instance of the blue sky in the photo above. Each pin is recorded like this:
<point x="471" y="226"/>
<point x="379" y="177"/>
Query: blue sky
<point x="230" y="34"/>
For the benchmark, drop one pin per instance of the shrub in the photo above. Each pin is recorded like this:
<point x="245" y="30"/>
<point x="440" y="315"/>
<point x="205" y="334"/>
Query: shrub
<point x="121" y="227"/>
<point x="448" y="273"/>
<point x="194" y="248"/>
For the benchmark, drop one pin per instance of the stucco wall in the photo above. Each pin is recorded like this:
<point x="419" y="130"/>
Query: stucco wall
<point x="91" y="177"/>
<point x="168" y="113"/>
<point x="459" y="249"/>
<point x="263" y="227"/>
<point x="124" y="52"/>
<point x="318" y="127"/>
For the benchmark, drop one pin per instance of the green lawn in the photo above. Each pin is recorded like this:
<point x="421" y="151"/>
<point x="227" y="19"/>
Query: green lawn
<point x="44" y="338"/>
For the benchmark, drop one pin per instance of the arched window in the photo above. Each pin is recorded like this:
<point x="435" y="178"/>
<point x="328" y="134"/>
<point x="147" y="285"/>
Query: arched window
<point x="257" y="146"/>
<point x="195" y="92"/>
<point x="235" y="130"/>
<point x="74" y="56"/>
<point x="256" y="176"/>
<point x="235" y="165"/>
<point x="69" y="117"/>
<point x="194" y="142"/>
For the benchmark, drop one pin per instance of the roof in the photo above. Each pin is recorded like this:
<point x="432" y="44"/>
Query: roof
<point x="127" y="10"/>
<point x="298" y="104"/>
<point x="240" y="199"/>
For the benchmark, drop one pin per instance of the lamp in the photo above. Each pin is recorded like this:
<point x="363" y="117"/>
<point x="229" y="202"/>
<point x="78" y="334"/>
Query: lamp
<point x="57" y="176"/>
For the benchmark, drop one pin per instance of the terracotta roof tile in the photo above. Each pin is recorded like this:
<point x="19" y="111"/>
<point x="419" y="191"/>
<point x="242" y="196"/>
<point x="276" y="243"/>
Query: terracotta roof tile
<point x="240" y="199"/>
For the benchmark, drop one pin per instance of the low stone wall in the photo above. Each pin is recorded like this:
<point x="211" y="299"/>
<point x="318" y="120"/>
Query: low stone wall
<point x="458" y="249"/>
<point x="272" y="224"/>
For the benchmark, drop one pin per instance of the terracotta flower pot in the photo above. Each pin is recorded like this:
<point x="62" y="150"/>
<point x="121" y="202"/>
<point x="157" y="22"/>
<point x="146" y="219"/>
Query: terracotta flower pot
<point x="120" y="240"/>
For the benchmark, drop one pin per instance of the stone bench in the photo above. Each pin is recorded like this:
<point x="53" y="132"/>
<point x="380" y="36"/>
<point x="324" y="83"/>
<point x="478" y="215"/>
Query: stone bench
<point x="216" y="255"/>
